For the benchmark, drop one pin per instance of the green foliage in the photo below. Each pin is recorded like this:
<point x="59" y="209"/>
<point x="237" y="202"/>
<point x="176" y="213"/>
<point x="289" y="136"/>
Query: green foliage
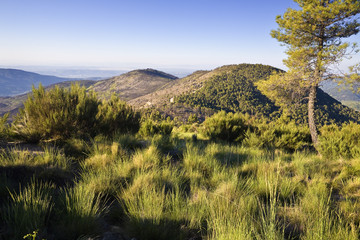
<point x="225" y="126"/>
<point x="81" y="209"/>
<point x="150" y="127"/>
<point x="29" y="209"/>
<point x="50" y="157"/>
<point x="115" y="117"/>
<point x="283" y="90"/>
<point x="57" y="114"/>
<point x="167" y="188"/>
<point x="4" y="128"/>
<point x="192" y="119"/>
<point x="313" y="34"/>
<point x="282" y="134"/>
<point x="341" y="141"/>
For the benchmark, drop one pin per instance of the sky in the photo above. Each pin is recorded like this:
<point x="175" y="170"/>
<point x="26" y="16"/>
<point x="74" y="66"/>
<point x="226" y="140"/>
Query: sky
<point x="131" y="34"/>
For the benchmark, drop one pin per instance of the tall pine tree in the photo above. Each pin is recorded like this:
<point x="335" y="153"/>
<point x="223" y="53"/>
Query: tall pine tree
<point x="313" y="34"/>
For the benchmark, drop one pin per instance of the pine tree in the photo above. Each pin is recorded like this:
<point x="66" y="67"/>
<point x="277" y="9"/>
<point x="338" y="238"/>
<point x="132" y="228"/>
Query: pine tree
<point x="314" y="35"/>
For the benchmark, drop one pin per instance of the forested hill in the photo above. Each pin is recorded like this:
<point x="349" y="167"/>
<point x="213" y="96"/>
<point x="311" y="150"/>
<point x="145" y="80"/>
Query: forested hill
<point x="234" y="90"/>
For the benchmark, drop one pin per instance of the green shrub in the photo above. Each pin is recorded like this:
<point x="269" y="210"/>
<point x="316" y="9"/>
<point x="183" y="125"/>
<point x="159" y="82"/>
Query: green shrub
<point x="115" y="116"/>
<point x="341" y="141"/>
<point x="192" y="119"/>
<point x="282" y="134"/>
<point x="57" y="114"/>
<point x="225" y="126"/>
<point x="150" y="127"/>
<point x="4" y="128"/>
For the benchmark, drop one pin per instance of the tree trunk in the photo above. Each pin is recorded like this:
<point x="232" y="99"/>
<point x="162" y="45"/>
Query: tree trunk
<point x="311" y="115"/>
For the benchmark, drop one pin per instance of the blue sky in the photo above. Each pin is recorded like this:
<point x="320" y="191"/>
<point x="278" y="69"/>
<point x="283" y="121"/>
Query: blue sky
<point x="120" y="34"/>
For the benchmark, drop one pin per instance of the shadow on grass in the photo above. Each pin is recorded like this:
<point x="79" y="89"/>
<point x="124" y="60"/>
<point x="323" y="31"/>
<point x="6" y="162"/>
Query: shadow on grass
<point x="14" y="176"/>
<point x="147" y="229"/>
<point x="231" y="159"/>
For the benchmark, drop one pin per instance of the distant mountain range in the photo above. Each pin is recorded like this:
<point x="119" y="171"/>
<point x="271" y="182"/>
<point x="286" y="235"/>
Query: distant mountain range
<point x="229" y="88"/>
<point x="14" y="82"/>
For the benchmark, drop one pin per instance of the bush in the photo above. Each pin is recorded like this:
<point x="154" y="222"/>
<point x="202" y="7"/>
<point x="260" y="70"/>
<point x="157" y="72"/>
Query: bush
<point x="57" y="114"/>
<point x="225" y="126"/>
<point x="192" y="119"/>
<point x="344" y="141"/>
<point x="150" y="127"/>
<point x="115" y="116"/>
<point x="282" y="134"/>
<point x="4" y="128"/>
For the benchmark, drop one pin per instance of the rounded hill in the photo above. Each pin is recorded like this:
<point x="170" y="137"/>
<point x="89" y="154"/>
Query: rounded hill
<point x="132" y="84"/>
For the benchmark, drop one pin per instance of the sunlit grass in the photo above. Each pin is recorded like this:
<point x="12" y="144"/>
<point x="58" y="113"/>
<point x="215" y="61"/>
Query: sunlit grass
<point x="29" y="209"/>
<point x="50" y="157"/>
<point x="80" y="211"/>
<point x="210" y="190"/>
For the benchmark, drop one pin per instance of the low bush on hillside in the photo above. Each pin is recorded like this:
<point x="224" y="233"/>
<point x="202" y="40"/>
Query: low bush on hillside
<point x="60" y="114"/>
<point x="150" y="127"/>
<point x="57" y="114"/>
<point x="341" y="141"/>
<point x="225" y="126"/>
<point x="115" y="117"/>
<point x="281" y="134"/>
<point x="4" y="128"/>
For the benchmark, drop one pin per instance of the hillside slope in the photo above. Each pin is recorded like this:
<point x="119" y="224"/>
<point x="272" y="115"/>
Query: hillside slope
<point x="231" y="88"/>
<point x="232" y="92"/>
<point x="195" y="81"/>
<point x="132" y="84"/>
<point x="14" y="82"/>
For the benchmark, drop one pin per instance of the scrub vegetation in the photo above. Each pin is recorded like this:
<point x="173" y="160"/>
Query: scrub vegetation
<point x="233" y="176"/>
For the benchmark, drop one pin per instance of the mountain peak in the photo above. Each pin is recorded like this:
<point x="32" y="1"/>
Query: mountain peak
<point x="133" y="84"/>
<point x="153" y="72"/>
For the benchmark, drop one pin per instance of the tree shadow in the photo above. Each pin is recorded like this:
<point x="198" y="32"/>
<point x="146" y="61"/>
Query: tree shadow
<point x="14" y="176"/>
<point x="230" y="159"/>
<point x="148" y="229"/>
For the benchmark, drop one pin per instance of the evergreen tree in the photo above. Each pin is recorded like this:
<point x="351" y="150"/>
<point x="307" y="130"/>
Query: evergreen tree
<point x="314" y="35"/>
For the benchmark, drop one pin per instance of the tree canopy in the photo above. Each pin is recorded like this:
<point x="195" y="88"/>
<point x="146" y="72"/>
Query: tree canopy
<point x="313" y="35"/>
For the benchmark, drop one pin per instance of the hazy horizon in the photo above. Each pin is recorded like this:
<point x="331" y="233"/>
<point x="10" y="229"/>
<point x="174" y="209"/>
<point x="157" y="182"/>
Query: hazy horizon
<point x="128" y="35"/>
<point x="138" y="34"/>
